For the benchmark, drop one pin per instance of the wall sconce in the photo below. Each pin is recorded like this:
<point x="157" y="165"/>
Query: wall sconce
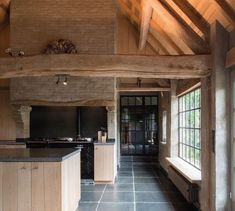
<point x="62" y="79"/>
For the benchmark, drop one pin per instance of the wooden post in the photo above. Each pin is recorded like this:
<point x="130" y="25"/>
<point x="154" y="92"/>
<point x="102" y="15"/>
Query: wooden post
<point x="219" y="121"/>
<point x="206" y="195"/>
<point x="174" y="120"/>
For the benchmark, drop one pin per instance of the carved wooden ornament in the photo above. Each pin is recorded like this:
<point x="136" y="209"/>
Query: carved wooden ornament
<point x="61" y="47"/>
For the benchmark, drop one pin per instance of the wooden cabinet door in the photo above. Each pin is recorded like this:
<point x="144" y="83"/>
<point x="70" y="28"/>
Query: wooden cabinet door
<point x="99" y="163"/>
<point x="104" y="163"/>
<point x="24" y="186"/>
<point x="109" y="162"/>
<point x="38" y="202"/>
<point x="9" y="186"/>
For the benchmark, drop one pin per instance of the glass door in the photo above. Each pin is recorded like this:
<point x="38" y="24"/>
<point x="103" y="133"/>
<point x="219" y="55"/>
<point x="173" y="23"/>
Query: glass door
<point x="139" y="125"/>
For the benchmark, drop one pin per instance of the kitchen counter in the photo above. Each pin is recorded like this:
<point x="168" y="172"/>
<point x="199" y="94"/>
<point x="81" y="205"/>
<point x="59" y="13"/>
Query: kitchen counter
<point x="36" y="155"/>
<point x="40" y="179"/>
<point x="11" y="143"/>
<point x="108" y="142"/>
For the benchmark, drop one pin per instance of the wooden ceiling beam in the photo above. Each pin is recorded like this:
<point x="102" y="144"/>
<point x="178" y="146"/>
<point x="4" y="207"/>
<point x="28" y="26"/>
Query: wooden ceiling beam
<point x="146" y="15"/>
<point x="230" y="58"/>
<point x="194" y="16"/>
<point x="190" y="37"/>
<point x="229" y="12"/>
<point x="143" y="89"/>
<point x="174" y="67"/>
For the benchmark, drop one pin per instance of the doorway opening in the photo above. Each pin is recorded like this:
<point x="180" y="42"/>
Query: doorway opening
<point x="139" y="128"/>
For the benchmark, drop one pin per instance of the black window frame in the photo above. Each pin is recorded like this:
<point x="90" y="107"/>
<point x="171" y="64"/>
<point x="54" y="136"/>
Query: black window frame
<point x="187" y="144"/>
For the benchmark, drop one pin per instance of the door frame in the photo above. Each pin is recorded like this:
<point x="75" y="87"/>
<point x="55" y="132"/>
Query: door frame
<point x="157" y="119"/>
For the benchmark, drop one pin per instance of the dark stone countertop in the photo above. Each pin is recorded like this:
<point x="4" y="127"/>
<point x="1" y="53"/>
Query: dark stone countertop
<point x="11" y="143"/>
<point x="37" y="155"/>
<point x="108" y="142"/>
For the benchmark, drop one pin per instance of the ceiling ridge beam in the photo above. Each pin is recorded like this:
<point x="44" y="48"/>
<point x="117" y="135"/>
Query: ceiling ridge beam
<point x="191" y="38"/>
<point x="229" y="11"/>
<point x="146" y="15"/>
<point x="198" y="20"/>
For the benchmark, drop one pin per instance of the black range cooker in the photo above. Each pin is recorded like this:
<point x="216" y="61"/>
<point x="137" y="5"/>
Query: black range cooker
<point x="87" y="152"/>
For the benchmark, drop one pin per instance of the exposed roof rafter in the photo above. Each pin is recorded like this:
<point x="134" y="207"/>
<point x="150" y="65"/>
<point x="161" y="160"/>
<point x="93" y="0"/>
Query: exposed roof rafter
<point x="195" y="17"/>
<point x="193" y="40"/>
<point x="145" y="22"/>
<point x="227" y="9"/>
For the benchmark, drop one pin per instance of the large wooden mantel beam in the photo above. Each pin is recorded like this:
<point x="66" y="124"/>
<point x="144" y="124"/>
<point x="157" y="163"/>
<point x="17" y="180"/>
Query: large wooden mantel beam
<point x="173" y="67"/>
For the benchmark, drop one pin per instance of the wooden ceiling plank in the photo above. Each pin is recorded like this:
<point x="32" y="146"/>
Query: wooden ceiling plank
<point x="195" y="17"/>
<point x="161" y="31"/>
<point x="173" y="34"/>
<point x="173" y="67"/>
<point x="229" y="12"/>
<point x="187" y="87"/>
<point x="153" y="41"/>
<point x="146" y="16"/>
<point x="192" y="39"/>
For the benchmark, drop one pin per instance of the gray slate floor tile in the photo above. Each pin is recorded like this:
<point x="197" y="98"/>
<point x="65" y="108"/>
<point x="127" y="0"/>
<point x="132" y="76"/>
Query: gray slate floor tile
<point x="87" y="207"/>
<point x="92" y="187"/>
<point x="118" y="197"/>
<point x="119" y="187"/>
<point x="116" y="207"/>
<point x="90" y="196"/>
<point x="154" y="207"/>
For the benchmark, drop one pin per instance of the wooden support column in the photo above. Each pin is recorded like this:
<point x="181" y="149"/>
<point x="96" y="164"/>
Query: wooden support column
<point x="206" y="195"/>
<point x="219" y="121"/>
<point x="174" y="120"/>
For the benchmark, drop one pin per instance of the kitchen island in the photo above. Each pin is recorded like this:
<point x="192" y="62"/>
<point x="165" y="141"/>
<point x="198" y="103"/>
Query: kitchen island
<point x="39" y="179"/>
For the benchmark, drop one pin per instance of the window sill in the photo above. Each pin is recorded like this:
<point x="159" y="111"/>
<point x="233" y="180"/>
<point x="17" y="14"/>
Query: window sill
<point x="192" y="174"/>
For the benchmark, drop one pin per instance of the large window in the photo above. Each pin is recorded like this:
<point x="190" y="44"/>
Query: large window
<point x="190" y="128"/>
